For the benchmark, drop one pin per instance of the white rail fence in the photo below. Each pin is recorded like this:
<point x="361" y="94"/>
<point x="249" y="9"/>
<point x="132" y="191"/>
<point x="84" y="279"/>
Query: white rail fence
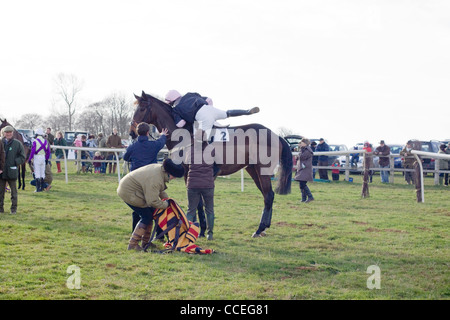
<point x="347" y="168"/>
<point x="78" y="159"/>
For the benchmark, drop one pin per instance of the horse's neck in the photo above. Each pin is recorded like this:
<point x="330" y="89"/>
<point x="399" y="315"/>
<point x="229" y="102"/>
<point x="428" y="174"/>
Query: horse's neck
<point x="165" y="121"/>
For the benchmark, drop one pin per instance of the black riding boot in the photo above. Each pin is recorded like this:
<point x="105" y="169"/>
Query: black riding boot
<point x="309" y="194"/>
<point x="38" y="185"/>
<point x="303" y="195"/>
<point x="237" y="113"/>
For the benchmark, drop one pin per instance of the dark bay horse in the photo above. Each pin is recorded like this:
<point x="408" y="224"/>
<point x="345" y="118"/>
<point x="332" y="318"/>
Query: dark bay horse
<point x="23" y="166"/>
<point x="250" y="152"/>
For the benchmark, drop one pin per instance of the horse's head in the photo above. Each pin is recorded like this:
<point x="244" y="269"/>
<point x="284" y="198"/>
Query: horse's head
<point x="152" y="111"/>
<point x="142" y="113"/>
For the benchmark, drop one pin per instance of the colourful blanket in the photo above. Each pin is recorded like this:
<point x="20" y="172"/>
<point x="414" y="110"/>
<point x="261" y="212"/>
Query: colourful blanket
<point x="182" y="233"/>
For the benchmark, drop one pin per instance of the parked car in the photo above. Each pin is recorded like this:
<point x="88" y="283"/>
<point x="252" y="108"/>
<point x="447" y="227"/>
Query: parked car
<point x="428" y="146"/>
<point x="396" y="149"/>
<point x="293" y="141"/>
<point x="336" y="147"/>
<point x="70" y="136"/>
<point x="28" y="136"/>
<point x="359" y="164"/>
<point x="27" y="132"/>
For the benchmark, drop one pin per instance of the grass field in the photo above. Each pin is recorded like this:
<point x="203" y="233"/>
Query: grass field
<point x="320" y="250"/>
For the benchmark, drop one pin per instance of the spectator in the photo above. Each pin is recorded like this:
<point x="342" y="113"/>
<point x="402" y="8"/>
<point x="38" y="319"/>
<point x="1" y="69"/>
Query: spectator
<point x="114" y="141"/>
<point x="383" y="151"/>
<point x="143" y="190"/>
<point x="59" y="153"/>
<point x="200" y="187"/>
<point x="315" y="159"/>
<point x="78" y="143"/>
<point x="335" y="172"/>
<point x="84" y="154"/>
<point x="98" y="165"/>
<point x="443" y="164"/>
<point x="91" y="143"/>
<point x="2" y="157"/>
<point x="408" y="162"/>
<point x="304" y="170"/>
<point x="101" y="143"/>
<point x="323" y="160"/>
<point x="144" y="152"/>
<point x="14" y="157"/>
<point x="40" y="153"/>
<point x="355" y="158"/>
<point x="50" y="138"/>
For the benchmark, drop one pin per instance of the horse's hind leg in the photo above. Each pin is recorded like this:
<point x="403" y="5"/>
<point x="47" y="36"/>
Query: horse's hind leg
<point x="264" y="184"/>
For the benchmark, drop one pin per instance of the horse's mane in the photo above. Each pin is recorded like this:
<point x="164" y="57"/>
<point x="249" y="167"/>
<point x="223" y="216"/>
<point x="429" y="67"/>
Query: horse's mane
<point x="161" y="103"/>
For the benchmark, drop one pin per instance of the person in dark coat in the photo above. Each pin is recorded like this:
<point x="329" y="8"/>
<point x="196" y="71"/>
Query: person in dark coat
<point x="200" y="186"/>
<point x="323" y="160"/>
<point x="315" y="159"/>
<point x="304" y="170"/>
<point x="142" y="153"/>
<point x="383" y="151"/>
<point x="14" y="157"/>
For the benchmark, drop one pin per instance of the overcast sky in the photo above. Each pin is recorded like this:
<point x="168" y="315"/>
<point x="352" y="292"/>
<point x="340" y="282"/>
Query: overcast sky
<point x="347" y="71"/>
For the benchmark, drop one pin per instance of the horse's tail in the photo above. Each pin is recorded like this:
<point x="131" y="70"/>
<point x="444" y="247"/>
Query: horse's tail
<point x="285" y="177"/>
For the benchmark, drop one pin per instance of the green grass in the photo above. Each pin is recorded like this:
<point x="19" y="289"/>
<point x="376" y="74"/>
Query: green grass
<point x="319" y="250"/>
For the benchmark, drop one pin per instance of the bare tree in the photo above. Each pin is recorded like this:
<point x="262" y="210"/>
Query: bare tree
<point x="283" y="132"/>
<point x="67" y="88"/>
<point x="29" y="121"/>
<point x="119" y="110"/>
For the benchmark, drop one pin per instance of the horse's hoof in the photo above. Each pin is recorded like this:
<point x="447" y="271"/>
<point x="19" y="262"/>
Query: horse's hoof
<point x="259" y="235"/>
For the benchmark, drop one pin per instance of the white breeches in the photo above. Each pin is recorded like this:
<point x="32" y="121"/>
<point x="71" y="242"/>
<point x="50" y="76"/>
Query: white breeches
<point x="206" y="117"/>
<point x="39" y="166"/>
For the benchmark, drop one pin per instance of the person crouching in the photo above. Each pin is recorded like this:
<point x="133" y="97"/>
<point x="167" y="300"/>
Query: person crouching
<point x="143" y="190"/>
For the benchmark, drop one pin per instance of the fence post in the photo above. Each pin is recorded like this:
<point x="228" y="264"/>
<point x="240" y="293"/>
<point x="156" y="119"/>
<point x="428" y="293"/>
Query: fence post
<point x="117" y="165"/>
<point x="65" y="165"/>
<point x="347" y="165"/>
<point x="391" y="172"/>
<point x="365" y="188"/>
<point x="419" y="179"/>
<point x="436" y="172"/>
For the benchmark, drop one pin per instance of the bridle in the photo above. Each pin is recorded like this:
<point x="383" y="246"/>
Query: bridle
<point x="134" y="123"/>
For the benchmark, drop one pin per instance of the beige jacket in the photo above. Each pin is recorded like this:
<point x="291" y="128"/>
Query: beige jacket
<point x="144" y="187"/>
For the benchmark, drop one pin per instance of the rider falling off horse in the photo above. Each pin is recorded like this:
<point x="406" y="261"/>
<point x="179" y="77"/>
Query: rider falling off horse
<point x="193" y="107"/>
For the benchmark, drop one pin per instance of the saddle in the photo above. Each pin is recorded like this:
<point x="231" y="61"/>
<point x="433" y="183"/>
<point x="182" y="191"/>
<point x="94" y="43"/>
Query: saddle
<point x="181" y="232"/>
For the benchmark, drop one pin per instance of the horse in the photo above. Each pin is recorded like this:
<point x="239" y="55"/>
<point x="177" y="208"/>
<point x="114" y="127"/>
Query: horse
<point x="154" y="111"/>
<point x="27" y="149"/>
